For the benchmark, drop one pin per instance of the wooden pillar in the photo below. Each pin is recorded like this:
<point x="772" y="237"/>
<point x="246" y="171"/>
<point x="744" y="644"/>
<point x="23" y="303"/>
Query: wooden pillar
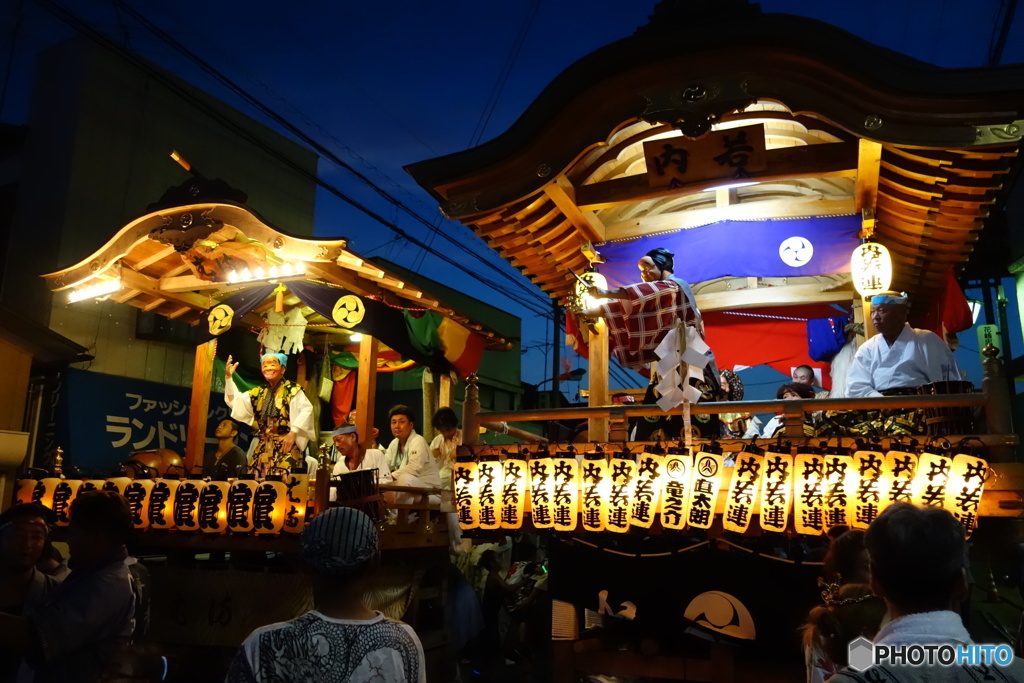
<point x="366" y="388"/>
<point x="470" y="408"/>
<point x="446" y="391"/>
<point x="869" y="326"/>
<point x="430" y="405"/>
<point x="597" y="380"/>
<point x="199" y="407"/>
<point x="998" y="415"/>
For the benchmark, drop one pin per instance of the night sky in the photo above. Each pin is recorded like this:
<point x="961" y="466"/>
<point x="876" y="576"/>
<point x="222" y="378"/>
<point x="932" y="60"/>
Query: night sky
<point x="384" y="84"/>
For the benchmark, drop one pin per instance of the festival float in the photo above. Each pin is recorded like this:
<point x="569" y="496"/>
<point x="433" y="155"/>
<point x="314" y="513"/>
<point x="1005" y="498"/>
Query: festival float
<point x="794" y="170"/>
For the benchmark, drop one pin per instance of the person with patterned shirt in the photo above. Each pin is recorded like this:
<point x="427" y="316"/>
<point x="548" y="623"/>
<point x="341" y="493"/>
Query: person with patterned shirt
<point x="341" y="639"/>
<point x="281" y="411"/>
<point x="640" y="315"/>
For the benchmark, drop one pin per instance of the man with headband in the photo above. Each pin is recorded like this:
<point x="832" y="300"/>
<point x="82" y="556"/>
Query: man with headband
<point x="899" y="358"/>
<point x="341" y="638"/>
<point x="282" y="414"/>
<point x="638" y="318"/>
<point x="352" y="457"/>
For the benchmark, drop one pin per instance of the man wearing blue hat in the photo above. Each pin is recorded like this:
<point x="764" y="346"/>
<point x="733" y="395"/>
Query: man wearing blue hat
<point x="282" y="413"/>
<point x="899" y="358"/>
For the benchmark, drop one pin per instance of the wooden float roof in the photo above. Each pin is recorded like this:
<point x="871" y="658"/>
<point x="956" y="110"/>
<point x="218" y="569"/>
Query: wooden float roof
<point x="923" y="153"/>
<point x="148" y="255"/>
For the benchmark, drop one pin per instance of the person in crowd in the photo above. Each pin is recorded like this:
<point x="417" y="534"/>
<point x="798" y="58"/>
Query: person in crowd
<point x="227" y="459"/>
<point x="850" y="611"/>
<point x="899" y="358"/>
<point x="847" y="559"/>
<point x="804" y="374"/>
<point x="53" y="563"/>
<point x="448" y="439"/>
<point x="790" y="391"/>
<point x="917" y="568"/>
<point x="408" y="454"/>
<point x="639" y="316"/>
<point x="734" y="425"/>
<point x="496" y="591"/>
<point x="352" y="456"/>
<point x="280" y="409"/>
<point x="77" y="629"/>
<point x="23" y="540"/>
<point x="443" y="448"/>
<point x="341" y="638"/>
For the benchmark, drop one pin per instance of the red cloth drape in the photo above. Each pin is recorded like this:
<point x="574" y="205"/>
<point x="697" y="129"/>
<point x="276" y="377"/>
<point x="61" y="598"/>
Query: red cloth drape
<point x="342" y="395"/>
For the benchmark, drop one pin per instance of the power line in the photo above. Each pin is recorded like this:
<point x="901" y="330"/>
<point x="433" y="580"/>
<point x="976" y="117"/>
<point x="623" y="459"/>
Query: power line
<point x="78" y="24"/>
<point x="324" y="151"/>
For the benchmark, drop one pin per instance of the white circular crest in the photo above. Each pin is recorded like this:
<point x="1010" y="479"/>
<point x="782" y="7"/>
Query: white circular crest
<point x="796" y="251"/>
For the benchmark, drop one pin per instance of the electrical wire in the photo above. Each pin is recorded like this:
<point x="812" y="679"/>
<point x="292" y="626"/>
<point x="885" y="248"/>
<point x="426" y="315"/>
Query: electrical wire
<point x="326" y="153"/>
<point x="83" y="27"/>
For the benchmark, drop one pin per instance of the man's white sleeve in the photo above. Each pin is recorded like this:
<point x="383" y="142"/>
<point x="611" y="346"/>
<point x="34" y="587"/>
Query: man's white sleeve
<point x="301" y="417"/>
<point x="241" y="406"/>
<point x="859" y="382"/>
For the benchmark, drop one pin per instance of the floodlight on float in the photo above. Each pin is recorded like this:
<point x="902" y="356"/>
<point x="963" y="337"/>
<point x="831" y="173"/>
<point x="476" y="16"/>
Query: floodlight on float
<point x="272" y="272"/>
<point x="98" y="290"/>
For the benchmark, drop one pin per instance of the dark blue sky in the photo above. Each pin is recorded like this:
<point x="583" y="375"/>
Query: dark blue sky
<point x="384" y="84"/>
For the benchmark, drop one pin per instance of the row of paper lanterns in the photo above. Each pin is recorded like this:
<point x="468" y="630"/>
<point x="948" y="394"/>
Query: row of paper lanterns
<point x="272" y="506"/>
<point x="596" y="493"/>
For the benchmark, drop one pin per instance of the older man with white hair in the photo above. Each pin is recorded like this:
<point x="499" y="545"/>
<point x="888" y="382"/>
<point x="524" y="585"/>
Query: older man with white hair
<point x="899" y="358"/>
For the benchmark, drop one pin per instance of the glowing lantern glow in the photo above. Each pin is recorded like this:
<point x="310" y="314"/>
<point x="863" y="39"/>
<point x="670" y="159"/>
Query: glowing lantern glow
<point x="186" y="504"/>
<point x="704" y="488"/>
<point x="95" y="291"/>
<point x="898" y="476"/>
<point x="297" y="494"/>
<point x="137" y="494"/>
<point x="489" y="480"/>
<point x="871" y="269"/>
<point x="26" y="489"/>
<point x="467" y="495"/>
<point x="161" y="502"/>
<point x="739" y="503"/>
<point x="675" y="491"/>
<point x="647" y="492"/>
<point x="776" y="490"/>
<point x="48" y="486"/>
<point x="933" y="470"/>
<point x="840" y="486"/>
<point x="620" y="495"/>
<point x="116" y="484"/>
<point x="269" y="505"/>
<point x="963" y="493"/>
<point x="867" y="499"/>
<point x="239" y="506"/>
<point x="566" y="491"/>
<point x="513" y="492"/>
<point x="595" y="485"/>
<point x="213" y="507"/>
<point x="583" y="300"/>
<point x="91" y="485"/>
<point x="541" y="480"/>
<point x="809" y="491"/>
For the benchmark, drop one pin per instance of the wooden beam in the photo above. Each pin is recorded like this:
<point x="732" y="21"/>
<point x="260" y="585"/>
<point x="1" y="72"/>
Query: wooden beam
<point x="785" y="295"/>
<point x="837" y="159"/>
<point x="563" y="194"/>
<point x="202" y="380"/>
<point x="366" y="388"/>
<point x="800" y="207"/>
<point x="142" y="264"/>
<point x="151" y="286"/>
<point x="869" y="158"/>
<point x="342" y="277"/>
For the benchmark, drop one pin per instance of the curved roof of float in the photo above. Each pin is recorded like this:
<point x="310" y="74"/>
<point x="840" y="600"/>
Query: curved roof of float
<point x="151" y="258"/>
<point x="925" y="151"/>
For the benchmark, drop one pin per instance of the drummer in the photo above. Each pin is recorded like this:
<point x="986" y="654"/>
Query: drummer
<point x="353" y="457"/>
<point x="899" y="358"/>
